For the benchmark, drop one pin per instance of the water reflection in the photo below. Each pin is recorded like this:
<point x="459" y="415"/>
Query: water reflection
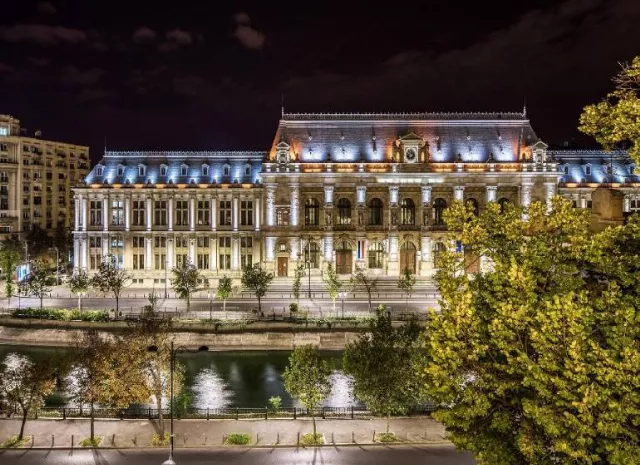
<point x="210" y="390"/>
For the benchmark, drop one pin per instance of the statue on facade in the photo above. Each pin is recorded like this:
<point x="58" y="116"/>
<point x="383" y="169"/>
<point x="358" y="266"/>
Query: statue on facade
<point x="327" y="218"/>
<point x="394" y="218"/>
<point x="425" y="217"/>
<point x="360" y="218"/>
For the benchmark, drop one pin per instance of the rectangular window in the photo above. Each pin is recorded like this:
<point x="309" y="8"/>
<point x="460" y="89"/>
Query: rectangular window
<point x="117" y="212"/>
<point x="117" y="250"/>
<point x="224" y="250"/>
<point x="246" y="212"/>
<point x="203" y="213"/>
<point x="138" y="261"/>
<point x="246" y="251"/>
<point x="159" y="242"/>
<point x="160" y="261"/>
<point x="160" y="213"/>
<point x="138" y="212"/>
<point x="182" y="250"/>
<point x="182" y="212"/>
<point x="225" y="213"/>
<point x="203" y="261"/>
<point x="203" y="242"/>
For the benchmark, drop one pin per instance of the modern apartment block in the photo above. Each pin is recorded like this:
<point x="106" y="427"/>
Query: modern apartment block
<point x="36" y="177"/>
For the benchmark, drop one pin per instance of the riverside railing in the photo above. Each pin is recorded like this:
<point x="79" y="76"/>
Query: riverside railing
<point x="232" y="413"/>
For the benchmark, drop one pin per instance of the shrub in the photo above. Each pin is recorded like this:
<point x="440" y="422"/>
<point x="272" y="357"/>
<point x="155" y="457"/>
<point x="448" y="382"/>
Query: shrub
<point x="293" y="307"/>
<point x="275" y="403"/>
<point x="238" y="439"/>
<point x="158" y="441"/>
<point x="14" y="442"/>
<point x="87" y="442"/>
<point x="61" y="315"/>
<point x="386" y="437"/>
<point x="310" y="440"/>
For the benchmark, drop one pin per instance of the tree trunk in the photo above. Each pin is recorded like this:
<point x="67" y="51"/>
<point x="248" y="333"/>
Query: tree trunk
<point x="369" y="293"/>
<point x="259" y="304"/>
<point x="41" y="298"/>
<point x="160" y="413"/>
<point x="406" y="307"/>
<point x="313" y="418"/>
<point x="224" y="307"/>
<point x="188" y="302"/>
<point x="25" y="412"/>
<point x="334" y="305"/>
<point x="80" y="304"/>
<point x="91" y="419"/>
<point x="117" y="296"/>
<point x="388" y="420"/>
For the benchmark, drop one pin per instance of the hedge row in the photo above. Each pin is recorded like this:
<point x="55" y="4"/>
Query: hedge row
<point x="61" y="315"/>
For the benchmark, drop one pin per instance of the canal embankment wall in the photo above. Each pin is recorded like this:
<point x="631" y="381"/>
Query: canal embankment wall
<point x="257" y="336"/>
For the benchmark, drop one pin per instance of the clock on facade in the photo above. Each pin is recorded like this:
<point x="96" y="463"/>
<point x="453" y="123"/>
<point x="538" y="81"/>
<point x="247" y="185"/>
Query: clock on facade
<point x="410" y="155"/>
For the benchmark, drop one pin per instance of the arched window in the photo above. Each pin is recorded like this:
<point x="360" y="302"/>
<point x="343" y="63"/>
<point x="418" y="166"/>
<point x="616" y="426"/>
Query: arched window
<point x="344" y="211"/>
<point x="376" y="255"/>
<point x="504" y="202"/>
<point x="99" y="170"/>
<point x="587" y="170"/>
<point x="312" y="255"/>
<point x="163" y="170"/>
<point x="142" y="170"/>
<point x="205" y="170"/>
<point x="565" y="169"/>
<point x="375" y="212"/>
<point x="120" y="170"/>
<point x="438" y="249"/>
<point x="184" y="169"/>
<point x="439" y="205"/>
<point x="476" y="207"/>
<point x="226" y="170"/>
<point x="408" y="212"/>
<point x="311" y="212"/>
<point x="247" y="170"/>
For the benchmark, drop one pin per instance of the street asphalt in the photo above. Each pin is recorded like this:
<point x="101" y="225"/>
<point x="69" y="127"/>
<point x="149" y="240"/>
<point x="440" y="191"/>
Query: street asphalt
<point x="352" y="455"/>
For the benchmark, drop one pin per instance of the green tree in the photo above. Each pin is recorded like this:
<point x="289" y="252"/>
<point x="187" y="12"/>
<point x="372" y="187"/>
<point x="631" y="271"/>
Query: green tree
<point x="110" y="277"/>
<point x="385" y="367"/>
<point x="258" y="280"/>
<point x="298" y="272"/>
<point x="225" y="289"/>
<point x="107" y="372"/>
<point x="307" y="378"/>
<point x="39" y="282"/>
<point x="362" y="280"/>
<point x="331" y="283"/>
<point x="538" y="360"/>
<point x="63" y="240"/>
<point x="79" y="285"/>
<point x="616" y="119"/>
<point x="406" y="283"/>
<point x="38" y="242"/>
<point x="11" y="251"/>
<point x="185" y="280"/>
<point x="25" y="384"/>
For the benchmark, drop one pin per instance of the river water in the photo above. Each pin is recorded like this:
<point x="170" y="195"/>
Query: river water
<point x="227" y="379"/>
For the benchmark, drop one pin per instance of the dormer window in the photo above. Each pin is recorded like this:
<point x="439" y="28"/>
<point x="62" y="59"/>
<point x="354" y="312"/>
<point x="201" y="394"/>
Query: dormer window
<point x="205" y="170"/>
<point x="605" y="169"/>
<point x="587" y="170"/>
<point x="163" y="170"/>
<point x="120" y="170"/>
<point x="247" y="170"/>
<point x="99" y="170"/>
<point x="565" y="169"/>
<point x="183" y="170"/>
<point x="142" y="170"/>
<point x="226" y="170"/>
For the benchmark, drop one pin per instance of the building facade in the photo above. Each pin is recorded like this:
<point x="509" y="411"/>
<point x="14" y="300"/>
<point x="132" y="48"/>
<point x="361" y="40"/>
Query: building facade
<point x="353" y="190"/>
<point x="36" y="177"/>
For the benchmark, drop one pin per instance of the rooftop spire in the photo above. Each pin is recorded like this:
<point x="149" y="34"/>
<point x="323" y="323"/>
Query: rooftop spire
<point x="524" y="106"/>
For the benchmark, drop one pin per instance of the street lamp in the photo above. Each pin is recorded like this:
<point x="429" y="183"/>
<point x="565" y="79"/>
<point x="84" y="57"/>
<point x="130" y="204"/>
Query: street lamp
<point x="172" y="365"/>
<point x="342" y="295"/>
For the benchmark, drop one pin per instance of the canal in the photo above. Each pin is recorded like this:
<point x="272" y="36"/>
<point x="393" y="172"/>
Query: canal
<point x="226" y="379"/>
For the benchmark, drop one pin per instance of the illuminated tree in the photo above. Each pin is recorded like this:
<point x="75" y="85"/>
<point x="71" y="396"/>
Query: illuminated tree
<point x="331" y="283"/>
<point x="185" y="281"/>
<point x="111" y="277"/>
<point x="10" y="254"/>
<point x="79" y="285"/>
<point x="257" y="279"/>
<point x="40" y="280"/>
<point x="225" y="289"/>
<point x="361" y="279"/>
<point x="406" y="283"/>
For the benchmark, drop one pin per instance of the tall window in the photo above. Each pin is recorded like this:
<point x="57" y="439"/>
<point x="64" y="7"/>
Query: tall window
<point x="95" y="252"/>
<point x="117" y="212"/>
<point x="312" y="255"/>
<point x="438" y="249"/>
<point x="205" y="170"/>
<point x="247" y="170"/>
<point x="182" y="212"/>
<point x="95" y="212"/>
<point x="160" y="248"/>
<point x="439" y="205"/>
<point x="202" y="244"/>
<point x="226" y="170"/>
<point x="246" y="212"/>
<point x="375" y="212"/>
<point x="282" y="216"/>
<point x="311" y="212"/>
<point x="163" y="170"/>
<point x="475" y="206"/>
<point x="634" y="205"/>
<point x="224" y="253"/>
<point x="182" y="250"/>
<point x="117" y="250"/>
<point x="142" y="170"/>
<point x="138" y="252"/>
<point x="246" y="251"/>
<point x="344" y="211"/>
<point x="160" y="213"/>
<point x="203" y="213"/>
<point x="225" y="213"/>
<point x="587" y="170"/>
<point x="138" y="212"/>
<point x="407" y="212"/>
<point x="184" y="170"/>
<point x="376" y="255"/>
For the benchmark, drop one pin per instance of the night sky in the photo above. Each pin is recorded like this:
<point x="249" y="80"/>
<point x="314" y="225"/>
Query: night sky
<point x="211" y="74"/>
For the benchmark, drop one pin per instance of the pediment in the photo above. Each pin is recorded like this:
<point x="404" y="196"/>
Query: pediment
<point x="411" y="137"/>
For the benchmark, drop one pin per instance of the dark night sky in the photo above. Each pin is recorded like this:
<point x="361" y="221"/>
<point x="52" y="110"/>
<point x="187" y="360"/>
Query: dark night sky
<point x="208" y="74"/>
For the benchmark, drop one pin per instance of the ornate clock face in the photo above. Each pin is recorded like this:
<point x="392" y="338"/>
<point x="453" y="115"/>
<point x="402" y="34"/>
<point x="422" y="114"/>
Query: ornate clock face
<point x="410" y="155"/>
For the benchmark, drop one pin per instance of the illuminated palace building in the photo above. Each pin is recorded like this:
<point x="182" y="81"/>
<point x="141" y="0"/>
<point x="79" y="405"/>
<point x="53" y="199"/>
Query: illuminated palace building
<point x="354" y="190"/>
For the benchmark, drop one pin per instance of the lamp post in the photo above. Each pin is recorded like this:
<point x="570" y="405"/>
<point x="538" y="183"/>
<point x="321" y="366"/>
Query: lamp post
<point x="172" y="367"/>
<point x="309" y="265"/>
<point x="342" y="295"/>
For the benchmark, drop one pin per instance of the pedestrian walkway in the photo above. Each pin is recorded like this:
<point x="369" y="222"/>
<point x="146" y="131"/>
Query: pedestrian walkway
<point x="199" y="433"/>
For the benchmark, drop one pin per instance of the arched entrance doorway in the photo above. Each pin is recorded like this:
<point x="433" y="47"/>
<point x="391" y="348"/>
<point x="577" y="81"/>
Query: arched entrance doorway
<point x="408" y="257"/>
<point x="344" y="256"/>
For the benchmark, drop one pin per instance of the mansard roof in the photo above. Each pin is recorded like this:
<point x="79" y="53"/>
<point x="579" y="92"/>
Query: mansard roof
<point x="174" y="161"/>
<point x="594" y="166"/>
<point x="317" y="137"/>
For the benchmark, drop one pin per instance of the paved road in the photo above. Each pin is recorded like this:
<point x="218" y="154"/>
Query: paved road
<point x="372" y="455"/>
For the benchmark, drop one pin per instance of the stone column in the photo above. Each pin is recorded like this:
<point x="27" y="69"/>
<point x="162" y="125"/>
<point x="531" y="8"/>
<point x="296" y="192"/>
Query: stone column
<point x="170" y="214"/>
<point x="192" y="250"/>
<point x="271" y="205"/>
<point x="492" y="193"/>
<point x="525" y="197"/>
<point x="270" y="252"/>
<point x="458" y="193"/>
<point x="295" y="204"/>
<point x="256" y="211"/>
<point x="105" y="213"/>
<point x="83" y="253"/>
<point x="294" y="246"/>
<point x="148" y="253"/>
<point x="235" y="212"/>
<point x="192" y="213"/>
<point x="213" y="252"/>
<point x="127" y="213"/>
<point x="235" y="252"/>
<point x="328" y="248"/>
<point x="149" y="213"/>
<point x="214" y="211"/>
<point x="105" y="245"/>
<point x="361" y="195"/>
<point x="76" y="253"/>
<point x="328" y="195"/>
<point x="76" y="218"/>
<point x="626" y="204"/>
<point x="550" y="191"/>
<point x="425" y="255"/>
<point x="169" y="263"/>
<point x="393" y="268"/>
<point x="425" y="194"/>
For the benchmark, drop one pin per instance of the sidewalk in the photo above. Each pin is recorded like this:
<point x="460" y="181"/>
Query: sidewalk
<point x="199" y="433"/>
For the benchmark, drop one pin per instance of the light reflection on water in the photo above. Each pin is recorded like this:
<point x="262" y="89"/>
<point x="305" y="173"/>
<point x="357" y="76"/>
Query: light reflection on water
<point x="210" y="390"/>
